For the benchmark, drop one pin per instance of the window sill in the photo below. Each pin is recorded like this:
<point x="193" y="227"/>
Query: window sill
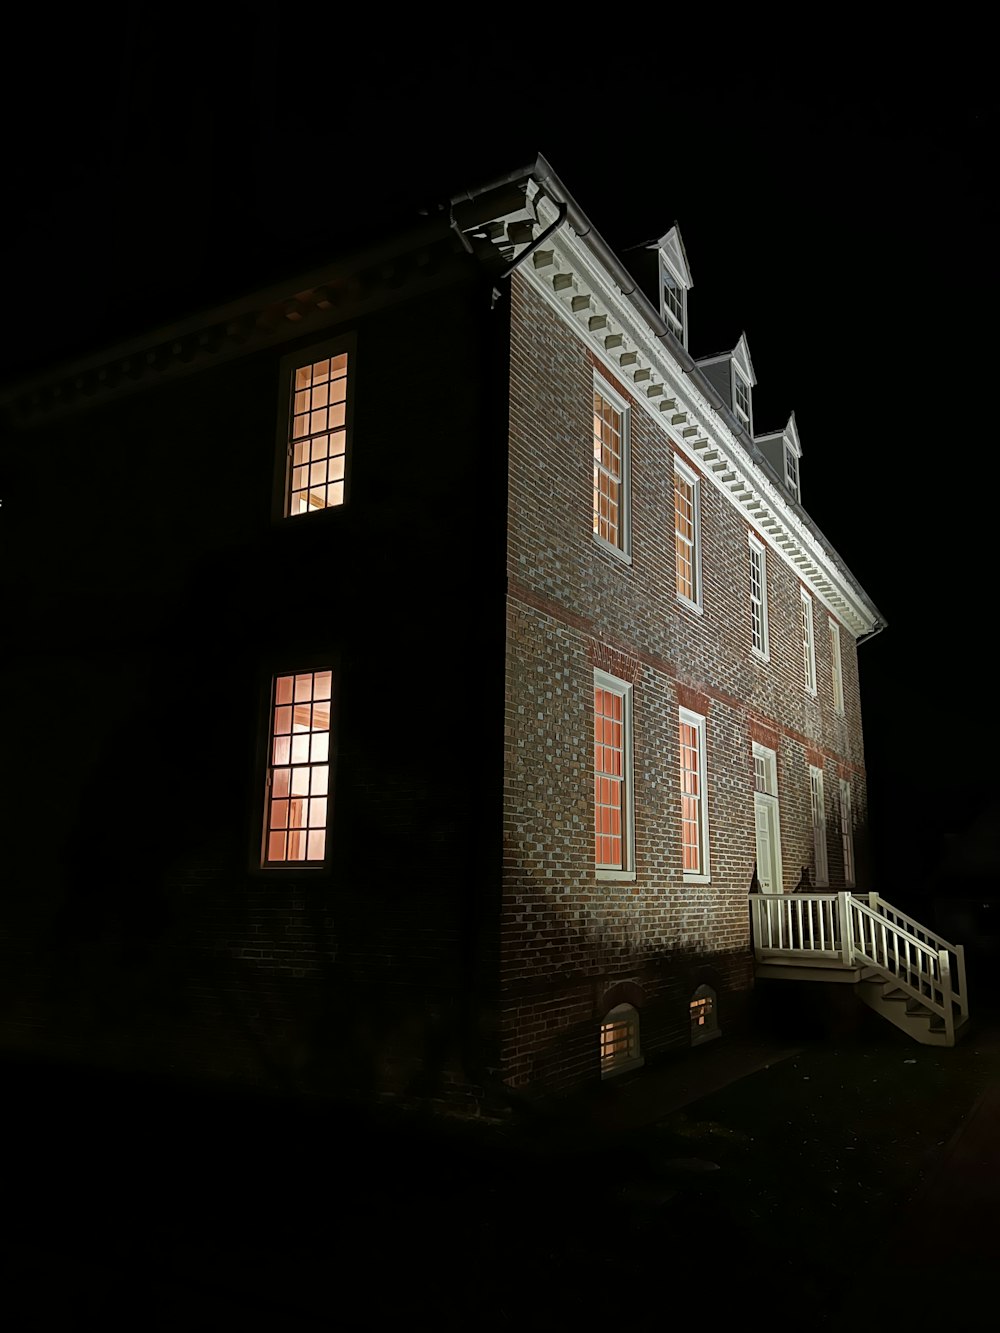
<point x="625" y="876"/>
<point x="763" y="658"/>
<point x="623" y="1067"/>
<point x="625" y="557"/>
<point x="697" y="879"/>
<point x="696" y="607"/>
<point x="706" y="1037"/>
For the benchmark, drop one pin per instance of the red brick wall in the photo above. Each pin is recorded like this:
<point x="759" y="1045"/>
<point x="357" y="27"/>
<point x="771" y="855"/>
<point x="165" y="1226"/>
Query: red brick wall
<point x="569" y="938"/>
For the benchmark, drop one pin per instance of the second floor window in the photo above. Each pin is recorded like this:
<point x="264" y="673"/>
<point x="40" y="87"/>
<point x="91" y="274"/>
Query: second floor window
<point x="317" y="435"/>
<point x="758" y="598"/>
<point x="838" y="673"/>
<point x="298" y="773"/>
<point x="808" y="644"/>
<point x="611" y="480"/>
<point x="686" y="535"/>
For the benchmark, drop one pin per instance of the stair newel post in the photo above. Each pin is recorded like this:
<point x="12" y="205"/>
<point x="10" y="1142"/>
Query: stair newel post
<point x="846" y="928"/>
<point x="944" y="968"/>
<point x="963" y="999"/>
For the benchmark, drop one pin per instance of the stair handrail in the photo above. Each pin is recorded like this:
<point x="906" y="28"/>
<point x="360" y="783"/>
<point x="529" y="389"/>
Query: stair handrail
<point x="937" y="941"/>
<point x="936" y="974"/>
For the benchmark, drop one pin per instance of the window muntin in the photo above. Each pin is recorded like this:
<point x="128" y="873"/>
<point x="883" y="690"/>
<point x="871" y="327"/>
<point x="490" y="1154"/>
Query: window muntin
<point x="792" y="474"/>
<point x="687" y="535"/>
<point x="741" y="396"/>
<point x="620" y="1040"/>
<point x="317" y="435"/>
<point x="296" y="812"/>
<point x="837" y="668"/>
<point x="673" y="303"/>
<point x="808" y="644"/>
<point x="613" y="816"/>
<point x="704" y="1015"/>
<point x="611" y="423"/>
<point x="758" y="599"/>
<point x="694" y="809"/>
<point x="847" y="831"/>
<point x="818" y="811"/>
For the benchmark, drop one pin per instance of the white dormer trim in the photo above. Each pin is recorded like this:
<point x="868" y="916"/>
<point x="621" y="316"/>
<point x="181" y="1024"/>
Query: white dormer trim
<point x="675" y="273"/>
<point x="791" y="452"/>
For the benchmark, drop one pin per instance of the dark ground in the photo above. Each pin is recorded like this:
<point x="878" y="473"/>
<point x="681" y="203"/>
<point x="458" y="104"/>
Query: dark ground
<point x="855" y="1174"/>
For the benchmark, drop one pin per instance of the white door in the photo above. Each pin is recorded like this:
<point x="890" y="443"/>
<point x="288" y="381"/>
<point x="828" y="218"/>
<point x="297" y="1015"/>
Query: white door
<point x="765" y="811"/>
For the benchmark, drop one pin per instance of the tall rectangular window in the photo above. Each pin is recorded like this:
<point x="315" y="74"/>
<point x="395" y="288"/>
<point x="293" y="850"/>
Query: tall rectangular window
<point x="687" y="535"/>
<point x="317" y="435"/>
<point x="838" y="674"/>
<point x="611" y="462"/>
<point x="847" y="831"/>
<point x="613" y="802"/>
<point x="808" y="644"/>
<point x="758" y="598"/>
<point x="298" y="776"/>
<point x="792" y="474"/>
<point x="694" y="807"/>
<point x="818" y="807"/>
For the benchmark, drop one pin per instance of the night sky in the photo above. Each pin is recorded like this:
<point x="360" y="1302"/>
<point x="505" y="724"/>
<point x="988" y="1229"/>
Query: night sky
<point x="841" y="219"/>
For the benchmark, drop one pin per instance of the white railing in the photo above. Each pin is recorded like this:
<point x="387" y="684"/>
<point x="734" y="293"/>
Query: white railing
<point x="839" y="929"/>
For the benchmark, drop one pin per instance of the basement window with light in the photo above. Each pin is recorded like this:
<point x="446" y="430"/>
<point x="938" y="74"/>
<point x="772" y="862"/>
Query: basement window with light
<point x="297" y="800"/>
<point x="620" y="1041"/>
<point x="704" y="1014"/>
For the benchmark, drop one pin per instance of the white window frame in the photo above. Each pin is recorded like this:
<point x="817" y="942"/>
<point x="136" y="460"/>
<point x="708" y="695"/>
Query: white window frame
<point x="678" y="326"/>
<point x="808" y="644"/>
<point x="758" y="600"/>
<point x="837" y="668"/>
<point x="622" y="1016"/>
<point x="690" y="478"/>
<point x="817" y="807"/>
<point x="745" y="417"/>
<point x="604" y="681"/>
<point x="704" y="874"/>
<point x="623" y="551"/>
<point x="765" y="783"/>
<point x="792" y="474"/>
<point x="847" y="832"/>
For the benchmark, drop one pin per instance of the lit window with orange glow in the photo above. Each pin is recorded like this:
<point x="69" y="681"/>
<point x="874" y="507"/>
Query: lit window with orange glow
<point x="317" y="439"/>
<point x="298" y="776"/>
<point x="611" y="516"/>
<point x="686" y="535"/>
<point x="620" y="1041"/>
<point x="613" y="828"/>
<point x="694" y="812"/>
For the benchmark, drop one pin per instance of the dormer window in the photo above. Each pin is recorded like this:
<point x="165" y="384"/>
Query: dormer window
<point x="673" y="304"/>
<point x="792" y="474"/>
<point x="741" y="398"/>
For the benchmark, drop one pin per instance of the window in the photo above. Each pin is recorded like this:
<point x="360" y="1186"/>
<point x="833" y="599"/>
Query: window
<point x="317" y="434"/>
<point x="704" y="1013"/>
<point x="298" y="776"/>
<point x="838" y="675"/>
<point x="818" y="808"/>
<point x="694" y="807"/>
<point x="611" y="481"/>
<point x="673" y="303"/>
<point x="792" y="474"/>
<point x="687" y="535"/>
<point x="847" y="831"/>
<point x="620" y="1041"/>
<point x="613" y="803"/>
<point x="808" y="644"/>
<point x="758" y="599"/>
<point x="767" y="820"/>
<point x="741" y="397"/>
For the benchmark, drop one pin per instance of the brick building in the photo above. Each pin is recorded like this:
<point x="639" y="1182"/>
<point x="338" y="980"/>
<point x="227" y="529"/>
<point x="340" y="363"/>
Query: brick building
<point x="435" y="655"/>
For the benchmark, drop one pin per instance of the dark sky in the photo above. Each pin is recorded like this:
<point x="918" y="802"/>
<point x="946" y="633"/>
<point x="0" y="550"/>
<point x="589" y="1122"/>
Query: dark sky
<point x="841" y="219"/>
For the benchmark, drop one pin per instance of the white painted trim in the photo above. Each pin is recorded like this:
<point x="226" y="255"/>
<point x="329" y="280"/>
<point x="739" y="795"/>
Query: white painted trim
<point x="817" y="812"/>
<point x="602" y="680"/>
<point x="808" y="638"/>
<point x="837" y="668"/>
<point x="764" y="653"/>
<point x="694" y="481"/>
<point x="623" y="552"/>
<point x="700" y="723"/>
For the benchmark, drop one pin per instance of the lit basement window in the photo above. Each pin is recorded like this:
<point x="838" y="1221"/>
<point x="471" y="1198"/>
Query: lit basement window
<point x="298" y="776"/>
<point x="704" y="1015"/>
<point x="620" y="1041"/>
<point x="317" y="446"/>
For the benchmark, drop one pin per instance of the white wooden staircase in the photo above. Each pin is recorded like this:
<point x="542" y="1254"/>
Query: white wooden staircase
<point x="899" y="968"/>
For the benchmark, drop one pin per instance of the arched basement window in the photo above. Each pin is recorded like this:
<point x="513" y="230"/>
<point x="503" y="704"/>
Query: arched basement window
<point x="704" y="1015"/>
<point x="620" y="1041"/>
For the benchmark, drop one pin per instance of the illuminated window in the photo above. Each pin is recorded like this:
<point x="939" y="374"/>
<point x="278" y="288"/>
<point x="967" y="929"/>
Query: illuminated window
<point x="817" y="806"/>
<point x="758" y="598"/>
<point x="686" y="534"/>
<point x="704" y="1015"/>
<point x="792" y="474"/>
<point x="620" y="1041"/>
<point x="611" y="482"/>
<point x="317" y="435"/>
<point x="694" y="806"/>
<point x="847" y="831"/>
<point x="808" y="644"/>
<point x="298" y="775"/>
<point x="838" y="674"/>
<point x="741" y="397"/>
<point x="613" y="817"/>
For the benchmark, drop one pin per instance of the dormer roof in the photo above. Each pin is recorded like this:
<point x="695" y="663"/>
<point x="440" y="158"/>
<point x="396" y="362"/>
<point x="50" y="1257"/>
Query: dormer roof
<point x="740" y="354"/>
<point x="788" y="435"/>
<point x="673" y="254"/>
